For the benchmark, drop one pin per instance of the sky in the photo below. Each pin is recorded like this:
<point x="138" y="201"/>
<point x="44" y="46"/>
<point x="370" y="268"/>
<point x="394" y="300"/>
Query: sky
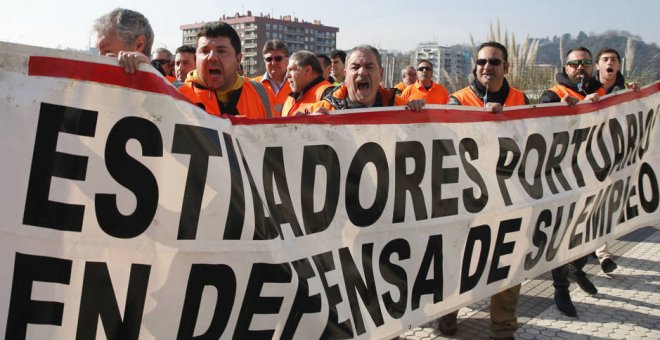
<point x="387" y="24"/>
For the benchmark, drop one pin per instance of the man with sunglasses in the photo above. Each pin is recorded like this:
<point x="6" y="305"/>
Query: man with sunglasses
<point x="276" y="57"/>
<point x="163" y="57"/>
<point x="575" y="82"/>
<point x="425" y="88"/>
<point x="491" y="91"/>
<point x="215" y="85"/>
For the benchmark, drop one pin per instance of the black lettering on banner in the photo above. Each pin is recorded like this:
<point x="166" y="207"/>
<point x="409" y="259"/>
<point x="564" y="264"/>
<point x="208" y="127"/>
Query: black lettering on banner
<point x="273" y="169"/>
<point x="505" y="170"/>
<point x="22" y="309"/>
<point x="223" y="279"/>
<point x="613" y="204"/>
<point x="439" y="176"/>
<point x="576" y="238"/>
<point x="535" y="142"/>
<point x="600" y="172"/>
<point x="539" y="238"/>
<point x="365" y="288"/>
<point x="98" y="300"/>
<point x="48" y="162"/>
<point x="649" y="204"/>
<point x="497" y="273"/>
<point x="629" y="211"/>
<point x="367" y="153"/>
<point x="579" y="137"/>
<point x="409" y="182"/>
<point x="265" y="227"/>
<point x="553" y="247"/>
<point x="131" y="174"/>
<point x="303" y="303"/>
<point x="253" y="303"/>
<point x="597" y="215"/>
<point x="200" y="143"/>
<point x="315" y="156"/>
<point x="434" y="285"/>
<point x="236" y="212"/>
<point x="333" y="329"/>
<point x="633" y="131"/>
<point x="645" y="137"/>
<point x="482" y="234"/>
<point x="473" y="204"/>
<point x="559" y="141"/>
<point x="618" y="144"/>
<point x="395" y="275"/>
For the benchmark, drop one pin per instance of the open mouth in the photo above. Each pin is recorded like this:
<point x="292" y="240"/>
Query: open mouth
<point x="609" y="70"/>
<point x="363" y="86"/>
<point x="214" y="72"/>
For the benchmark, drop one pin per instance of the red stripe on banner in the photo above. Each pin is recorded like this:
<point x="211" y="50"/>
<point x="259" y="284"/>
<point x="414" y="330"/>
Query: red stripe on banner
<point x="449" y="115"/>
<point x="100" y="73"/>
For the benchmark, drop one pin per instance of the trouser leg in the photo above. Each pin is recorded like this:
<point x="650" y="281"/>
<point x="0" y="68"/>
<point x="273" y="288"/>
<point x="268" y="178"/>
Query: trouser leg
<point x="503" y="318"/>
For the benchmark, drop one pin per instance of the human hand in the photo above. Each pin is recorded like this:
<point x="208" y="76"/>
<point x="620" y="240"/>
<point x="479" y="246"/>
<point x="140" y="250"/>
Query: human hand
<point x="416" y="105"/>
<point x="571" y="101"/>
<point x="130" y="61"/>
<point x="494" y="107"/>
<point x="594" y="97"/>
<point x="633" y="86"/>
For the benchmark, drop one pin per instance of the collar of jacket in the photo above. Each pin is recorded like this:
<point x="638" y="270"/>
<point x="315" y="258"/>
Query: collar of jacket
<point x="344" y="102"/>
<point x="498" y="97"/>
<point x="298" y="95"/>
<point x="592" y="84"/>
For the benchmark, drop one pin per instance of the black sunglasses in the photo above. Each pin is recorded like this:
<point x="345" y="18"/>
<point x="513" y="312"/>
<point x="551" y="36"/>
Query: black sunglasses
<point x="492" y="61"/>
<point x="161" y="61"/>
<point x="424" y="68"/>
<point x="577" y="63"/>
<point x="276" y="58"/>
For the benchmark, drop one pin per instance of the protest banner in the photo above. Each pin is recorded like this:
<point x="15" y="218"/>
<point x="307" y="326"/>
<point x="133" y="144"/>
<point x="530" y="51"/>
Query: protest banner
<point x="129" y="213"/>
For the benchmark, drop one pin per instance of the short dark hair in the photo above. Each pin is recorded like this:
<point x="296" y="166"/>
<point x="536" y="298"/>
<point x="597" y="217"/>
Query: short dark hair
<point x="367" y="48"/>
<point x="221" y="29"/>
<point x="338" y="54"/>
<point x="275" y="45"/>
<point x="186" y="49"/>
<point x="494" y="44"/>
<point x="306" y="58"/>
<point x="607" y="50"/>
<point x="424" y="61"/>
<point x="579" y="48"/>
<point x="325" y="59"/>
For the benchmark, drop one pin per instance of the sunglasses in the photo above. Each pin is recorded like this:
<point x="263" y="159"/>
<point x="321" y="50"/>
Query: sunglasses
<point x="577" y="63"/>
<point x="276" y="58"/>
<point x="424" y="68"/>
<point x="161" y="61"/>
<point x="492" y="61"/>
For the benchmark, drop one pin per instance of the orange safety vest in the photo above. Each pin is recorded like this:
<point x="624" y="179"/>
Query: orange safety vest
<point x="563" y="91"/>
<point x="280" y="97"/>
<point x="313" y="95"/>
<point x="342" y="93"/>
<point x="437" y="94"/>
<point x="250" y="104"/>
<point x="171" y="79"/>
<point x="467" y="97"/>
<point x="400" y="86"/>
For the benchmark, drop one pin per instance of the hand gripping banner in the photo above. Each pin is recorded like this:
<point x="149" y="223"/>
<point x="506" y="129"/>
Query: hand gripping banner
<point x="129" y="213"/>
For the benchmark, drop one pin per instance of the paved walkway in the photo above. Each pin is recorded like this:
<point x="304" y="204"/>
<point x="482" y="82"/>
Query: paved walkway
<point x="627" y="305"/>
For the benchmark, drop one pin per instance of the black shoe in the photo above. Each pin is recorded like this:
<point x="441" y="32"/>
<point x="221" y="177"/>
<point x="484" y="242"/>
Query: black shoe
<point x="564" y="303"/>
<point x="447" y="324"/>
<point x="608" y="265"/>
<point x="584" y="283"/>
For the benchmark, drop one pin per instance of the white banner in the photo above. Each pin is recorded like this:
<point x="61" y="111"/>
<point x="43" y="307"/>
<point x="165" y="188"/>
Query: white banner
<point x="129" y="213"/>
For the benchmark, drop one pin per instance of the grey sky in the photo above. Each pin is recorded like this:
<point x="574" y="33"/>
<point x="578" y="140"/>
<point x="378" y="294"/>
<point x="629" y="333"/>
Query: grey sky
<point x="388" y="24"/>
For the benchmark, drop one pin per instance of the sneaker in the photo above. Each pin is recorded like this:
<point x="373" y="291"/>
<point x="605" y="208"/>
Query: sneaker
<point x="447" y="324"/>
<point x="564" y="303"/>
<point x="608" y="265"/>
<point x="584" y="283"/>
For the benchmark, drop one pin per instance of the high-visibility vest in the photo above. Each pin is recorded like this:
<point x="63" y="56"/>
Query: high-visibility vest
<point x="467" y="97"/>
<point x="252" y="103"/>
<point x="313" y="95"/>
<point x="563" y="91"/>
